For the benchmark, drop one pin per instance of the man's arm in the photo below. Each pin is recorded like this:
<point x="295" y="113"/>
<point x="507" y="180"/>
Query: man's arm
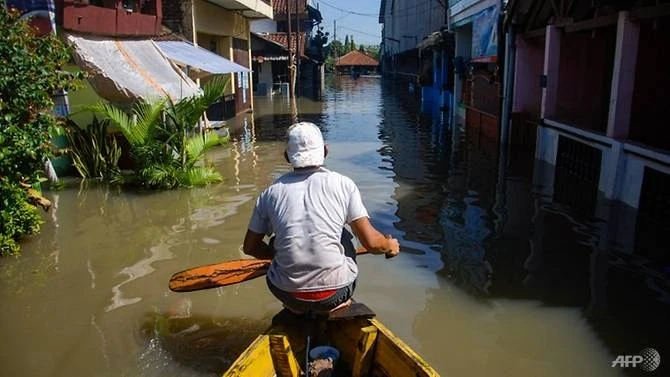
<point x="373" y="240"/>
<point x="255" y="246"/>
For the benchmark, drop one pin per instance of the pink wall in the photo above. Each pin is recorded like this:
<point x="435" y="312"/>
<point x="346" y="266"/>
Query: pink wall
<point x="651" y="98"/>
<point x="585" y="82"/>
<point x="528" y="68"/>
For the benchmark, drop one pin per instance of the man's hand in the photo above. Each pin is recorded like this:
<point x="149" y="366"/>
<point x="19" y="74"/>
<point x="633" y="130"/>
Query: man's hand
<point x="393" y="247"/>
<point x="373" y="240"/>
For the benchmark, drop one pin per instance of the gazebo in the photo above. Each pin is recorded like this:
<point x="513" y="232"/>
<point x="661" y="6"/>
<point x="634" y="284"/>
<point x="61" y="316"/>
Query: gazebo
<point x="356" y="63"/>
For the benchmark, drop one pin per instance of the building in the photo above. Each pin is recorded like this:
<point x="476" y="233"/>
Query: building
<point x="119" y="18"/>
<point x="222" y="27"/>
<point x="588" y="91"/>
<point x="271" y="58"/>
<point x="474" y="24"/>
<point x="356" y="63"/>
<point x="270" y="49"/>
<point x="417" y="50"/>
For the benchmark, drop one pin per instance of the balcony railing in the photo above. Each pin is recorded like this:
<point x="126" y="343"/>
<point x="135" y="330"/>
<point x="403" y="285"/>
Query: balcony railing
<point x="111" y="17"/>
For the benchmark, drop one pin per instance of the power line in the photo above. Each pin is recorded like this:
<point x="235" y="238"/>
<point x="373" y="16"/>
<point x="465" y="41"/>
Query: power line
<point x="348" y="11"/>
<point x="360" y="32"/>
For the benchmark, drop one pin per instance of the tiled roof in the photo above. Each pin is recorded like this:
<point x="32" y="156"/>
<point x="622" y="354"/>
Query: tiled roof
<point x="279" y="6"/>
<point x="282" y="39"/>
<point x="355" y="57"/>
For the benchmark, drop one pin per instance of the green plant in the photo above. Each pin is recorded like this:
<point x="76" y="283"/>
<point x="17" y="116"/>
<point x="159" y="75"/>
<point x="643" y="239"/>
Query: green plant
<point x="165" y="144"/>
<point x="18" y="218"/>
<point x="30" y="75"/>
<point x="95" y="152"/>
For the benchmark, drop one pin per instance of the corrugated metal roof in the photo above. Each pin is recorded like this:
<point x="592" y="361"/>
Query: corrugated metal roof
<point x="184" y="53"/>
<point x="356" y="57"/>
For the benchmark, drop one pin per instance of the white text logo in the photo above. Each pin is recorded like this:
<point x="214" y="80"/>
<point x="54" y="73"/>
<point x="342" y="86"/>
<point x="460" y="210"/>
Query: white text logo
<point x="649" y="359"/>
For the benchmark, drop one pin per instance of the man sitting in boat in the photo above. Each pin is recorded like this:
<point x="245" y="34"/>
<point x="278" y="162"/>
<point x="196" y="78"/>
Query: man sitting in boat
<point x="307" y="210"/>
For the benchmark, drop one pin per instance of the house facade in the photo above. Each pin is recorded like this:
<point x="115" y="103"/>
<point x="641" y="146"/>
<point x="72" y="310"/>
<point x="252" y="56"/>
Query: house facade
<point x="270" y="50"/>
<point x="356" y="63"/>
<point x="589" y="95"/>
<point x="222" y="27"/>
<point x="476" y="103"/>
<point x="417" y="49"/>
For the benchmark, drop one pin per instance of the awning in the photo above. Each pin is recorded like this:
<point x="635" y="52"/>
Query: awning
<point x="123" y="71"/>
<point x="188" y="55"/>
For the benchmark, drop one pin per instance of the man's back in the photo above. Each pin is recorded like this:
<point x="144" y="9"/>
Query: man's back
<point x="307" y="211"/>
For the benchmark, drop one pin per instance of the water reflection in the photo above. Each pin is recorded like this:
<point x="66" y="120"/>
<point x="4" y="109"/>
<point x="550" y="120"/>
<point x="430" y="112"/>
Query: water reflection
<point x="180" y="341"/>
<point x="498" y="275"/>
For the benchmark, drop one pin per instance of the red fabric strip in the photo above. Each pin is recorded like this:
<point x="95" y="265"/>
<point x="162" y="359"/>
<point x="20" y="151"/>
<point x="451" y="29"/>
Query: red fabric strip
<point x="314" y="296"/>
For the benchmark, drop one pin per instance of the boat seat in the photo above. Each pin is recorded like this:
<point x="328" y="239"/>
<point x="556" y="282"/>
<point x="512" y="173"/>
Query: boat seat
<point x="355" y="310"/>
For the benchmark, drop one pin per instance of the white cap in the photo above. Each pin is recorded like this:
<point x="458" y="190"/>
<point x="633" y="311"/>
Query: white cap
<point x="305" y="145"/>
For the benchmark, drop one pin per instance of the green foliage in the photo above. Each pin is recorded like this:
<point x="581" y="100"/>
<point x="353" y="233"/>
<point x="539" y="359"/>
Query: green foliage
<point x="336" y="49"/>
<point x="165" y="145"/>
<point x="18" y="218"/>
<point x="30" y="73"/>
<point x="372" y="50"/>
<point x="95" y="152"/>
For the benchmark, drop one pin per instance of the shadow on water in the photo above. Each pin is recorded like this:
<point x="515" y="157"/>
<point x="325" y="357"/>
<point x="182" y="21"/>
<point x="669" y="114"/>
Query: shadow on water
<point x="511" y="227"/>
<point x="201" y="344"/>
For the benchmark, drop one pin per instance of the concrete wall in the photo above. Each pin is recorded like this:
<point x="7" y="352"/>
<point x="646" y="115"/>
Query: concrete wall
<point x="622" y="165"/>
<point x="265" y="76"/>
<point x="264" y="26"/>
<point x="215" y="20"/>
<point x="461" y="10"/>
<point x="651" y="99"/>
<point x="585" y="78"/>
<point x="407" y="22"/>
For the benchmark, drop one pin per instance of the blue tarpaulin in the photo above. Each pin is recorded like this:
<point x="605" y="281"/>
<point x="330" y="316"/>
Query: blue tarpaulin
<point x="186" y="54"/>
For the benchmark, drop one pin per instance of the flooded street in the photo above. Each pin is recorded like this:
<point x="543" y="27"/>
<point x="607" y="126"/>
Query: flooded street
<point x="502" y="271"/>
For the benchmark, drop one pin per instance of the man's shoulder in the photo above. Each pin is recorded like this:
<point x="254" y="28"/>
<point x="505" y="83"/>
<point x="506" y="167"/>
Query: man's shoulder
<point x="335" y="177"/>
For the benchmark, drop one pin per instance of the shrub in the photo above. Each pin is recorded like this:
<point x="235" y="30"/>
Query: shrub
<point x="95" y="152"/>
<point x="165" y="144"/>
<point x="18" y="218"/>
<point x="30" y="75"/>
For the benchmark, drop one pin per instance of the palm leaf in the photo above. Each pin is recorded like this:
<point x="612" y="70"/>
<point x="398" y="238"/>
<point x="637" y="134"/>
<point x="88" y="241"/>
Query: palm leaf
<point x="197" y="145"/>
<point x="199" y="176"/>
<point x="148" y="116"/>
<point x="121" y="119"/>
<point x="191" y="109"/>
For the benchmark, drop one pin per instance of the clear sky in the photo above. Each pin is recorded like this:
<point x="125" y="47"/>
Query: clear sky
<point x="359" y="18"/>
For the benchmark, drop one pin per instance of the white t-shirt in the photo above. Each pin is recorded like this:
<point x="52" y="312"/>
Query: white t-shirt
<point x="307" y="211"/>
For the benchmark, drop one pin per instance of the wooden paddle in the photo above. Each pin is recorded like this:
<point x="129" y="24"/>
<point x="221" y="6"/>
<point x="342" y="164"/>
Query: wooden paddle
<point x="223" y="274"/>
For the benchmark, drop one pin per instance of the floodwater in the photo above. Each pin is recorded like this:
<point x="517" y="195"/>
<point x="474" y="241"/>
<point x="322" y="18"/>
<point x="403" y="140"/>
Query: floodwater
<point x="496" y="278"/>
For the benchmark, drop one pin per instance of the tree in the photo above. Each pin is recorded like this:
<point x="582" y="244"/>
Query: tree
<point x="346" y="44"/>
<point x="336" y="49"/>
<point x="30" y="74"/>
<point x="353" y="44"/>
<point x="318" y="43"/>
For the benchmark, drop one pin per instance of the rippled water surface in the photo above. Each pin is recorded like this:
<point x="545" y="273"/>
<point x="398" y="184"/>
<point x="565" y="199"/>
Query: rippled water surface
<point x="496" y="278"/>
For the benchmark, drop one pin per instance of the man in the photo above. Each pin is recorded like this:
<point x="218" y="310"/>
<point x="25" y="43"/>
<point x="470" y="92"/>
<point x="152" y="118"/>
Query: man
<point x="307" y="210"/>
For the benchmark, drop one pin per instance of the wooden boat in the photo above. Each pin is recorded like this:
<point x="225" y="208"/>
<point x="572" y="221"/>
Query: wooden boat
<point x="366" y="347"/>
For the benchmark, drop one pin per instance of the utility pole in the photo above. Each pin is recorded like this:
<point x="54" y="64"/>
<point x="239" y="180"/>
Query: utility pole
<point x="291" y="66"/>
<point x="298" y="40"/>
